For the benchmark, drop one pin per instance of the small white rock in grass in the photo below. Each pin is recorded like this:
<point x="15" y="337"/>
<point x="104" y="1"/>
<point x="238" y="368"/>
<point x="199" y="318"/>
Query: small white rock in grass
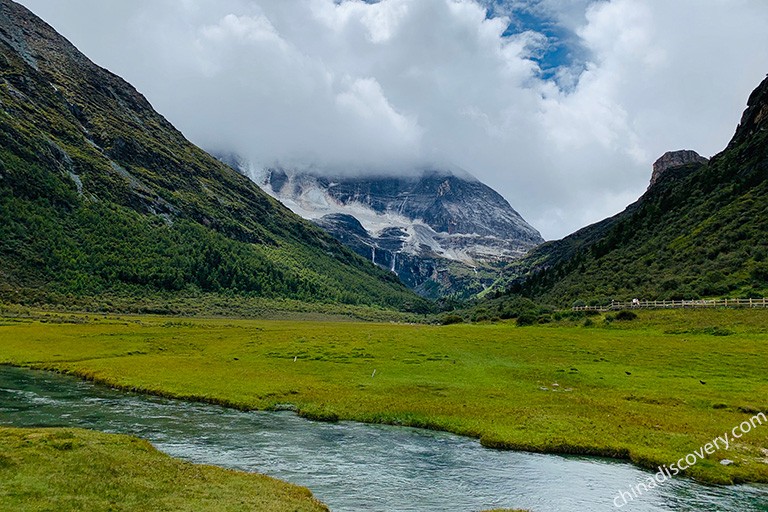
<point x="726" y="462"/>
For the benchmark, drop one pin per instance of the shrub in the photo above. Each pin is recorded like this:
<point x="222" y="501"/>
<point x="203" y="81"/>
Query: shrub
<point x="526" y="319"/>
<point x="759" y="273"/>
<point x="451" y="319"/>
<point x="508" y="313"/>
<point x="626" y="316"/>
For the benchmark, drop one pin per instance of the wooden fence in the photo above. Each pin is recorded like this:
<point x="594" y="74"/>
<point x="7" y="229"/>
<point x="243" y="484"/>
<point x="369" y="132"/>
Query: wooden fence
<point x="678" y="304"/>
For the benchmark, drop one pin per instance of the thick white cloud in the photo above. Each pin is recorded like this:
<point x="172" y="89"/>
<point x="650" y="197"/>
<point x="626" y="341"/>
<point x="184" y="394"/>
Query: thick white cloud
<point x="353" y="85"/>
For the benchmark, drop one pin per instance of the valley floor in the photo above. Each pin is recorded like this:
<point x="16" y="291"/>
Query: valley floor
<point x="650" y="390"/>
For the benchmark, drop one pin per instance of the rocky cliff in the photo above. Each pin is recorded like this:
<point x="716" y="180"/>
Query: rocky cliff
<point x="673" y="160"/>
<point x="442" y="232"/>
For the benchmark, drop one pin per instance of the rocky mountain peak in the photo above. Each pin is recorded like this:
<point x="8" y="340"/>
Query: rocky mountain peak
<point x="441" y="230"/>
<point x="755" y="117"/>
<point x="674" y="159"/>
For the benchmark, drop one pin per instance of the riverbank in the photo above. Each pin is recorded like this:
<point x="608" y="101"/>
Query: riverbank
<point x="74" y="470"/>
<point x="652" y="390"/>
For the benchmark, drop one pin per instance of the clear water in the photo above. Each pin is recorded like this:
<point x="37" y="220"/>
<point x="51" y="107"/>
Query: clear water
<point x="351" y="466"/>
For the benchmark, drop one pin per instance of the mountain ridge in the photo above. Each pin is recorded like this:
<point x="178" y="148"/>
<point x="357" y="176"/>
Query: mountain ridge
<point x="99" y="193"/>
<point x="698" y="231"/>
<point x="442" y="231"/>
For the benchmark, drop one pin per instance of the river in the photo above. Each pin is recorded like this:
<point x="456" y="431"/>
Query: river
<point x="352" y="466"/>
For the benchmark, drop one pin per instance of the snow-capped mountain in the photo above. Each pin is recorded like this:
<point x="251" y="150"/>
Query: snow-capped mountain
<point x="441" y="231"/>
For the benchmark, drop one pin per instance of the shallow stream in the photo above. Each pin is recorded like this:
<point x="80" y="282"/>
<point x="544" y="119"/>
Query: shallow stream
<point x="356" y="467"/>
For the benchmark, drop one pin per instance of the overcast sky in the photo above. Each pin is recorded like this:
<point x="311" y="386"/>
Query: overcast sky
<point x="561" y="106"/>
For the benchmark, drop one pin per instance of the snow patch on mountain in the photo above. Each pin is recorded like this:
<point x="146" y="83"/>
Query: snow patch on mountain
<point x="390" y="204"/>
<point x="442" y="231"/>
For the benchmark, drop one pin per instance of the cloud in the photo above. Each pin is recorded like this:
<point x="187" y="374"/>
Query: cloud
<point x="560" y="106"/>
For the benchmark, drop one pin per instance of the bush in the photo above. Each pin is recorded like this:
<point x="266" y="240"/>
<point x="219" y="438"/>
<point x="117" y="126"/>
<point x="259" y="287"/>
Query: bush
<point x="759" y="274"/>
<point x="508" y="313"/>
<point x="451" y="319"/>
<point x="526" y="319"/>
<point x="626" y="316"/>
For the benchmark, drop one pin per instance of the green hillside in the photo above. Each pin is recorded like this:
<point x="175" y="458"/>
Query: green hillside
<point x="700" y="231"/>
<point x="99" y="194"/>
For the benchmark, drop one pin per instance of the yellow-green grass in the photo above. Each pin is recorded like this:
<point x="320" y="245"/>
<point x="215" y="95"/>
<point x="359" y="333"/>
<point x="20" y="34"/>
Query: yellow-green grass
<point x="76" y="470"/>
<point x="652" y="390"/>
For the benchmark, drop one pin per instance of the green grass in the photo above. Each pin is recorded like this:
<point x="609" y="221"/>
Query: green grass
<point x="210" y="305"/>
<point x="74" y="470"/>
<point x="626" y="389"/>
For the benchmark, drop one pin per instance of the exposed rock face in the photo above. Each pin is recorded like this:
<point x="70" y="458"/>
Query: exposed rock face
<point x="674" y="159"/>
<point x="426" y="273"/>
<point x="755" y="117"/>
<point x="440" y="231"/>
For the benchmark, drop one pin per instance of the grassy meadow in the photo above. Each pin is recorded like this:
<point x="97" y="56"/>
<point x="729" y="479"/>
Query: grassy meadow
<point x="651" y="390"/>
<point x="75" y="470"/>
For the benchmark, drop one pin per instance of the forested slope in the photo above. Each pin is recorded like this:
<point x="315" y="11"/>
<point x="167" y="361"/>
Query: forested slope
<point x="701" y="230"/>
<point x="99" y="194"/>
